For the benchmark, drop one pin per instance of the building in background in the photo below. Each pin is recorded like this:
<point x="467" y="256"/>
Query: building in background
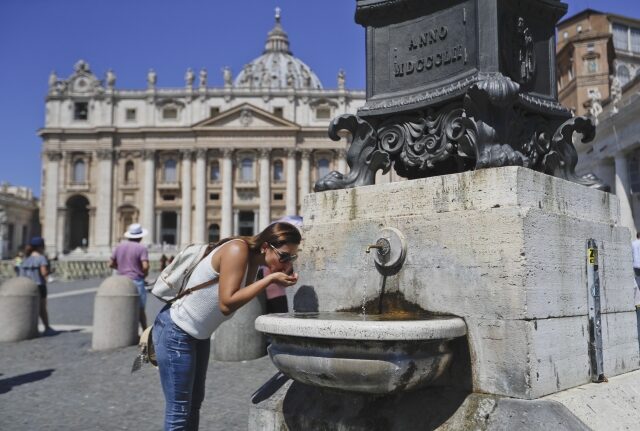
<point x="593" y="48"/>
<point x="191" y="164"/>
<point x="18" y="219"/>
<point x="599" y="76"/>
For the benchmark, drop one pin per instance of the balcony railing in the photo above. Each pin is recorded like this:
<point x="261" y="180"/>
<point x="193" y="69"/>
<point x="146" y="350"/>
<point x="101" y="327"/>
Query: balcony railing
<point x="168" y="185"/>
<point x="244" y="184"/>
<point x="78" y="187"/>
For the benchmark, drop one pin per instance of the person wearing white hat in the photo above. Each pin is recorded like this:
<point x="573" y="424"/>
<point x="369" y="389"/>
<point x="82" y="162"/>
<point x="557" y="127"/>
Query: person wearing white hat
<point x="131" y="259"/>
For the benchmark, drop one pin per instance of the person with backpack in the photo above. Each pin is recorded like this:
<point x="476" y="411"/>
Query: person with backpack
<point x="182" y="330"/>
<point x="36" y="267"/>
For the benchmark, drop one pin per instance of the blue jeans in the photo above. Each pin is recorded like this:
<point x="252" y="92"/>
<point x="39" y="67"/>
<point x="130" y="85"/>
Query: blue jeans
<point x="183" y="361"/>
<point x="142" y="292"/>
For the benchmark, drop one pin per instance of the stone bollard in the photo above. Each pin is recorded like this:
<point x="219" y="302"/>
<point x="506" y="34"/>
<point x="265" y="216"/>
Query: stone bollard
<point x="237" y="338"/>
<point x="115" y="314"/>
<point x="19" y="308"/>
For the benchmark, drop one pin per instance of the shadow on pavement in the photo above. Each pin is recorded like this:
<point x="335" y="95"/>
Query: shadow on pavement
<point x="56" y="332"/>
<point x="7" y="384"/>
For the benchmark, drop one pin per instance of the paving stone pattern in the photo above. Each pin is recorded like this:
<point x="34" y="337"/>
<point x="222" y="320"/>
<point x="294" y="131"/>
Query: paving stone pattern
<point x="58" y="383"/>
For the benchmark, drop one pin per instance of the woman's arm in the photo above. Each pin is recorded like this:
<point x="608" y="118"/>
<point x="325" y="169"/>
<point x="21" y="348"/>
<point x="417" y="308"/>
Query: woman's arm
<point x="44" y="270"/>
<point x="233" y="263"/>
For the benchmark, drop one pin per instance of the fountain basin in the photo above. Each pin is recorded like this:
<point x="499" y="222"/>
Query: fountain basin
<point x="342" y="350"/>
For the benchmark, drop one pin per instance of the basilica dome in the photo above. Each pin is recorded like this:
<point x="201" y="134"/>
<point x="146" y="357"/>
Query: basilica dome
<point x="277" y="67"/>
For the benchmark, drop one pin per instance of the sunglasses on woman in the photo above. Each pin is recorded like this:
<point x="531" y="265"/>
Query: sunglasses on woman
<point x="283" y="256"/>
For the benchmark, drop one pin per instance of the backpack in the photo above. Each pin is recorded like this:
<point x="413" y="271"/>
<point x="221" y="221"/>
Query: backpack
<point x="169" y="286"/>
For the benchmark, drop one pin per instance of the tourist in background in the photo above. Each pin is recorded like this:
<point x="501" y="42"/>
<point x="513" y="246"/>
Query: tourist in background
<point x="36" y="267"/>
<point x="163" y="262"/>
<point x="17" y="261"/>
<point x="182" y="331"/>
<point x="131" y="259"/>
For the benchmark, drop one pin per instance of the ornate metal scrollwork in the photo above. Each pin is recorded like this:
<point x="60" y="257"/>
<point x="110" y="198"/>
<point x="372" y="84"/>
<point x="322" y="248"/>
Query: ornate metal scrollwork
<point x="431" y="144"/>
<point x="562" y="158"/>
<point x="363" y="157"/>
<point x="491" y="128"/>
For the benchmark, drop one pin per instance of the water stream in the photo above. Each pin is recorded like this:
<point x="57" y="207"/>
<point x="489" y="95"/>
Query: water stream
<point x="366" y="263"/>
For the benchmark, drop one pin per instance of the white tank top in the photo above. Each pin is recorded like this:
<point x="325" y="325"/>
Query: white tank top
<point x="198" y="314"/>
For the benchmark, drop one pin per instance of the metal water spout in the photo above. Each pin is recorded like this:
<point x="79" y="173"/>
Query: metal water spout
<point x="382" y="245"/>
<point x="391" y="251"/>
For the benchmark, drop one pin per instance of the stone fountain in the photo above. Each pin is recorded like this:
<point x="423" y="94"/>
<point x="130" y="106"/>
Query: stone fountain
<point x="500" y="288"/>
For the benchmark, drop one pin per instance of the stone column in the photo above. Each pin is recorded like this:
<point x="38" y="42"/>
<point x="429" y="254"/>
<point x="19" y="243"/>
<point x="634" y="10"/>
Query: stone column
<point x="305" y="174"/>
<point x="158" y="229"/>
<point x="622" y="191"/>
<point x="265" y="189"/>
<point x="199" y="229"/>
<point x="185" y="219"/>
<point x="292" y="189"/>
<point x="90" y="241"/>
<point x="149" y="195"/>
<point x="226" y="228"/>
<point x="178" y="232"/>
<point x="62" y="240"/>
<point x="236" y="222"/>
<point x="51" y="201"/>
<point x="342" y="161"/>
<point x="104" y="191"/>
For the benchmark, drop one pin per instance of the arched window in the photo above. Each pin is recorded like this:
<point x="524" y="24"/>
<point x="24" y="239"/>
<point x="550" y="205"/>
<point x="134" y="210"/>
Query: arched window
<point x="623" y="74"/>
<point x="79" y="171"/>
<point x="277" y="171"/>
<point x="128" y="172"/>
<point x="170" y="174"/>
<point x="214" y="173"/>
<point x="214" y="233"/>
<point x="323" y="168"/>
<point x="246" y="172"/>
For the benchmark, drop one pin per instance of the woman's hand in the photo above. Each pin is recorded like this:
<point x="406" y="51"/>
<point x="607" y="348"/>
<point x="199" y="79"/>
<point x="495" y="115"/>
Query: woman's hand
<point x="283" y="279"/>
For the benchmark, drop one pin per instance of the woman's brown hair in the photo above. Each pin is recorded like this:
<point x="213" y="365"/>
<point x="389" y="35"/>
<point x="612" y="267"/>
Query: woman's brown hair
<point x="277" y="234"/>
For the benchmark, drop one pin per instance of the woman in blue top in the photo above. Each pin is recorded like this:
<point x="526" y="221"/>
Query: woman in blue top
<point x="36" y="267"/>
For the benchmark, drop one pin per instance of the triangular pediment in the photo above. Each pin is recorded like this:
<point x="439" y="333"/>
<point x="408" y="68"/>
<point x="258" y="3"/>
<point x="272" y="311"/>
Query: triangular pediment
<point x="245" y="116"/>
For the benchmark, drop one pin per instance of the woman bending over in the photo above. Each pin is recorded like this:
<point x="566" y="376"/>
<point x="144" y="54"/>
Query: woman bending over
<point x="182" y="330"/>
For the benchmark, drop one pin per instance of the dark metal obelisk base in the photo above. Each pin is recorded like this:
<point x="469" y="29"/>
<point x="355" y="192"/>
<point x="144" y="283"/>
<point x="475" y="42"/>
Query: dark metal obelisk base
<point x="457" y="86"/>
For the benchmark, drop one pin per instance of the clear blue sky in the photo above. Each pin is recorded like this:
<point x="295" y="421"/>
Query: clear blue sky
<point x="131" y="36"/>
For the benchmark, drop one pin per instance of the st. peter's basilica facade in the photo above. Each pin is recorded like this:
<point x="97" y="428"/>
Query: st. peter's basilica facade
<point x="191" y="164"/>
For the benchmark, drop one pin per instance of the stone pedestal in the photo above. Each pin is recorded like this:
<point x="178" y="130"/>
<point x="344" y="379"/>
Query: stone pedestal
<point x="116" y="314"/>
<point x="237" y="339"/>
<point x="503" y="248"/>
<point x="19" y="307"/>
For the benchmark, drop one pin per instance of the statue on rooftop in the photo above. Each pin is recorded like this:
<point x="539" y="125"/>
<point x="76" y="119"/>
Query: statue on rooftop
<point x="189" y="78"/>
<point x="111" y="79"/>
<point x="152" y="78"/>
<point x="53" y="79"/>
<point x="616" y="93"/>
<point x="226" y="76"/>
<point x="203" y="78"/>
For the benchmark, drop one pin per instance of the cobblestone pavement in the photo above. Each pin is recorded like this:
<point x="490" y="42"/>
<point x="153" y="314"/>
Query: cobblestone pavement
<point x="58" y="383"/>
